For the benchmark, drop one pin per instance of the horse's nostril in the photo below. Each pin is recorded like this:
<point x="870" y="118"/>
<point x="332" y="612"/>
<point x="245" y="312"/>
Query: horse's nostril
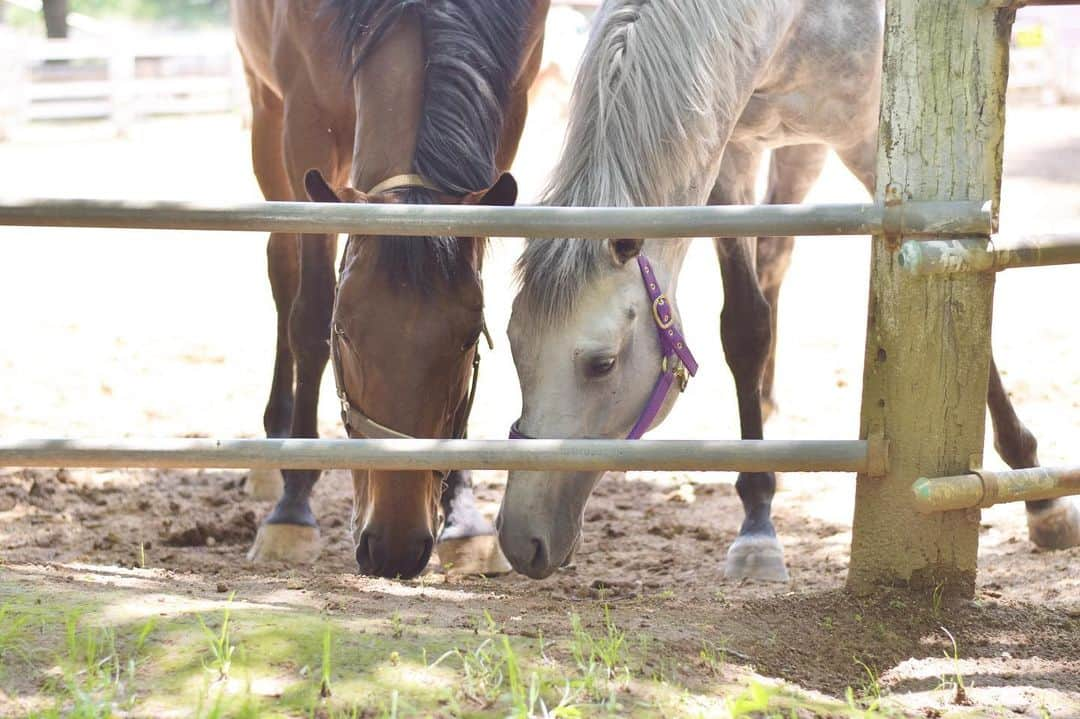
<point x="539" y="561"/>
<point x="393" y="557"/>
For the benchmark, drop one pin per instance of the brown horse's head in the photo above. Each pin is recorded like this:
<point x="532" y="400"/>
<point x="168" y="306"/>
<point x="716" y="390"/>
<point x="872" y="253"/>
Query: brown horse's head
<point x="408" y="315"/>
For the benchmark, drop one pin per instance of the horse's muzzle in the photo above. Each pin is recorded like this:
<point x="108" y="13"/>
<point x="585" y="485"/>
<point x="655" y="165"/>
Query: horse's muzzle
<point x="393" y="558"/>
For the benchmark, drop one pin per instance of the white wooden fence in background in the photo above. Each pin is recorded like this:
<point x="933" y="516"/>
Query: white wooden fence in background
<point x="123" y="77"/>
<point x="119" y="79"/>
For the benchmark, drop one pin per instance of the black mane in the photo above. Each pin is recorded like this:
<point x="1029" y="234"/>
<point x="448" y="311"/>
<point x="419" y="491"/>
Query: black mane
<point x="473" y="50"/>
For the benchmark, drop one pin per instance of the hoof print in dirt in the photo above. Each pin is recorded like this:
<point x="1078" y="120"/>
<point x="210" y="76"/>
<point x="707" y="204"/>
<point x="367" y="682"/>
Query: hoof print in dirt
<point x="237" y="529"/>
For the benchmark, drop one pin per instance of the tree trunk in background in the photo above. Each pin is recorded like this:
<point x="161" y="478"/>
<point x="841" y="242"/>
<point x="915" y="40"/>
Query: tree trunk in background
<point x="55" y="12"/>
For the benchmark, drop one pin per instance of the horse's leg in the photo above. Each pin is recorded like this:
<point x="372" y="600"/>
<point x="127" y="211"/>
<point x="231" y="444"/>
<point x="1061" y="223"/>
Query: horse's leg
<point x="291" y="533"/>
<point x="1052" y="523"/>
<point x="283" y="265"/>
<point x="861" y="158"/>
<point x="746" y="336"/>
<point x="468" y="543"/>
<point x="792" y="172"/>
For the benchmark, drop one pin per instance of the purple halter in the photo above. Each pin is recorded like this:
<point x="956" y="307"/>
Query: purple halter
<point x="678" y="363"/>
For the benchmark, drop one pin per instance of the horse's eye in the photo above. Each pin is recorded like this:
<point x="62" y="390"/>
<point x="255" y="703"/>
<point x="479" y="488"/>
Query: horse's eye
<point x="600" y="366"/>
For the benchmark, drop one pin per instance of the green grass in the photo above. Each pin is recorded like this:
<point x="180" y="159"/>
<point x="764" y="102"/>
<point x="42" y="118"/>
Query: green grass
<point x="937" y="600"/>
<point x="220" y="644"/>
<point x="871" y="688"/>
<point x="327" y="663"/>
<point x="14" y="638"/>
<point x="94" y="673"/>
<point x="956" y="681"/>
<point x="601" y="661"/>
<point x="72" y="654"/>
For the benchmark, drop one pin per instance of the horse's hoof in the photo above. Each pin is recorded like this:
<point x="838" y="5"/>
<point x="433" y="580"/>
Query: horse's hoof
<point x="476" y="555"/>
<point x="1056" y="527"/>
<point x="756" y="557"/>
<point x="265" y="484"/>
<point x="291" y="543"/>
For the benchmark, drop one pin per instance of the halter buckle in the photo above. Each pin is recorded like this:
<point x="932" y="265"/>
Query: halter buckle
<point x="657" y="303"/>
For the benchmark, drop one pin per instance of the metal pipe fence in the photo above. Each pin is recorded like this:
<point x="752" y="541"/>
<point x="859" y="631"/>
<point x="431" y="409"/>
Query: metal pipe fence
<point x="442" y="454"/>
<point x="934" y="257"/>
<point x="962" y="218"/>
<point x="985" y="488"/>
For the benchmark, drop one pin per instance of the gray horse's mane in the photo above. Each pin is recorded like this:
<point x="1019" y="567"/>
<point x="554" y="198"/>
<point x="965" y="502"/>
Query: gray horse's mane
<point x="658" y="85"/>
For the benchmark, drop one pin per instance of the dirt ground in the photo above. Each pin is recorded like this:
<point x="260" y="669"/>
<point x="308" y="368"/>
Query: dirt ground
<point x="112" y="333"/>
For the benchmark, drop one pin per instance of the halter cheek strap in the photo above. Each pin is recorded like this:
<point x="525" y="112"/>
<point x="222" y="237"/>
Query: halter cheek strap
<point x="355" y="420"/>
<point x="677" y="363"/>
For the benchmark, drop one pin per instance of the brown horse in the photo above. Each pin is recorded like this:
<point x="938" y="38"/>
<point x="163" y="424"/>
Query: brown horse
<point x="402" y="101"/>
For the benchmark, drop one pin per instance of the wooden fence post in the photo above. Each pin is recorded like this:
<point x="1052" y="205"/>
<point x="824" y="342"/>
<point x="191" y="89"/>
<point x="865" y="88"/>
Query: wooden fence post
<point x="928" y="338"/>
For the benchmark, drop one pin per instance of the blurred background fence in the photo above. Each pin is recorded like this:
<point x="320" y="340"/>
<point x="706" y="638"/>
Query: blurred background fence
<point x="124" y="60"/>
<point x="121" y="79"/>
<point x="1045" y="58"/>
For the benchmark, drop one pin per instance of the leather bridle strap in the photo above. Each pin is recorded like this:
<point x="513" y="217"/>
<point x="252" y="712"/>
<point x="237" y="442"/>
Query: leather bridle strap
<point x="354" y="418"/>
<point x="398" y="182"/>
<point x="356" y="421"/>
<point x="677" y="363"/>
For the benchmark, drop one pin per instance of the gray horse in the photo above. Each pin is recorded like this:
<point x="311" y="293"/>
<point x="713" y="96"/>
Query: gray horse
<point x="674" y="104"/>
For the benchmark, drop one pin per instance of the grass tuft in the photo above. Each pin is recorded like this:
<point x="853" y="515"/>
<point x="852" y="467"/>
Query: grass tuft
<point x="325" y="669"/>
<point x="220" y="642"/>
<point x="957" y="680"/>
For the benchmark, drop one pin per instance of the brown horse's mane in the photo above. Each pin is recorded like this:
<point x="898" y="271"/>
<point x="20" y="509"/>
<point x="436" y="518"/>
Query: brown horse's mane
<point x="473" y="50"/>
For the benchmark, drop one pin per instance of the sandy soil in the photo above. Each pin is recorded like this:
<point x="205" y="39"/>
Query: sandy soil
<point x="111" y="333"/>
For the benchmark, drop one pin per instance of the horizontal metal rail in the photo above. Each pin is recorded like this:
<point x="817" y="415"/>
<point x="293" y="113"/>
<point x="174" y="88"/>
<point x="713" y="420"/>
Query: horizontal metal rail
<point x="911" y="218"/>
<point x="934" y="257"/>
<point x="985" y="488"/>
<point x="443" y="454"/>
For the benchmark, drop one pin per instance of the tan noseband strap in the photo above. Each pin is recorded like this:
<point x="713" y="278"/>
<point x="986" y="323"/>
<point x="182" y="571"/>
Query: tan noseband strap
<point x="399" y="181"/>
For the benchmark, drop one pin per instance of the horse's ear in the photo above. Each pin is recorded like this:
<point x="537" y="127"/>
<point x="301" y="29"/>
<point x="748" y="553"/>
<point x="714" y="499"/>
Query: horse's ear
<point x="318" y="190"/>
<point x="624" y="249"/>
<point x="502" y="194"/>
